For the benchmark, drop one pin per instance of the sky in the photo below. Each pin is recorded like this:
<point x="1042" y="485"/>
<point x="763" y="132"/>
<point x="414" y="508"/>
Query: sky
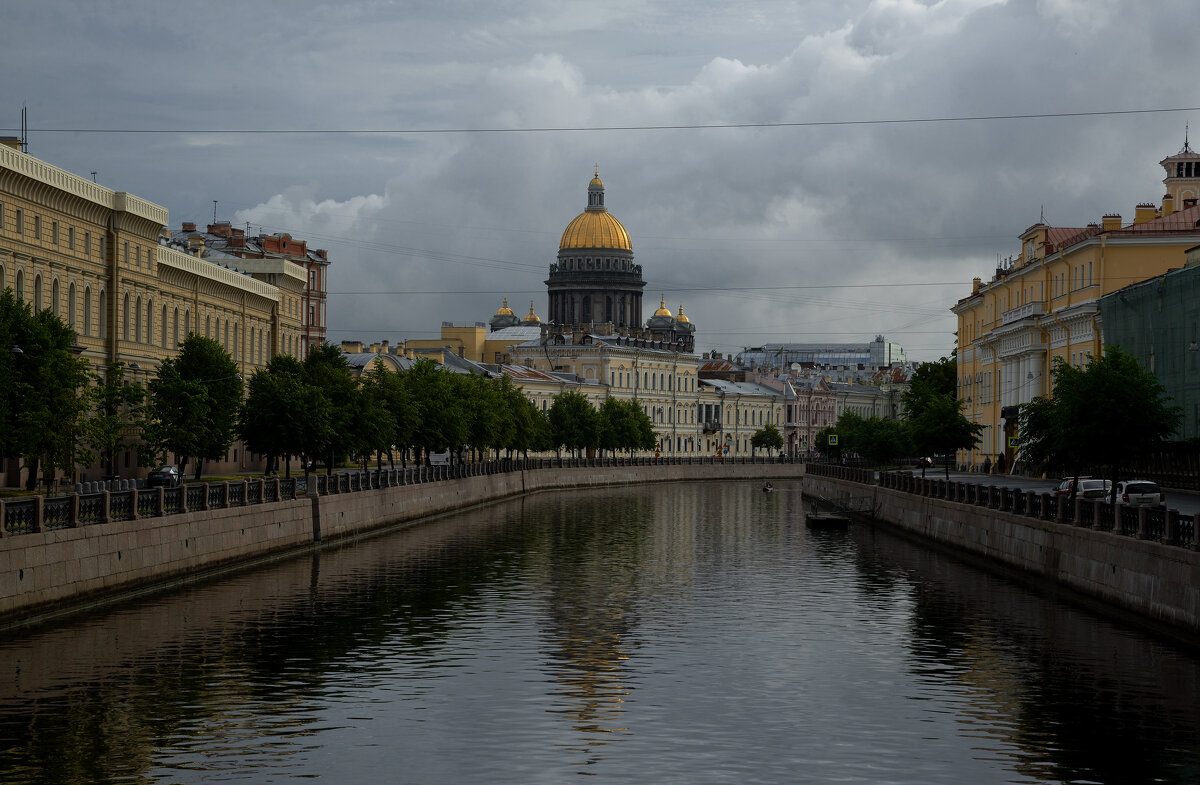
<point x="807" y="170"/>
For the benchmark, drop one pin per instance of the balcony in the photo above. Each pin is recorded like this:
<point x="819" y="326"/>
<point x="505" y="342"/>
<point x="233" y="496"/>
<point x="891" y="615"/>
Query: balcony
<point x="1037" y="308"/>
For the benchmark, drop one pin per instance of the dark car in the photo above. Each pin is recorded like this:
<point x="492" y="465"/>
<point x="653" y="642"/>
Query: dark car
<point x="163" y="476"/>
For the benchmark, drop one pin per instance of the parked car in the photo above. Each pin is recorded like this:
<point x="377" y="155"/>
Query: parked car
<point x="1089" y="488"/>
<point x="1139" y="493"/>
<point x="163" y="476"/>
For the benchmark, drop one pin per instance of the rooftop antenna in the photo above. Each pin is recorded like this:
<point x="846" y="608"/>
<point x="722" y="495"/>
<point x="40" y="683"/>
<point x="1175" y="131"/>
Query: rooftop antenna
<point x="1185" y="138"/>
<point x="214" y="210"/>
<point x="24" y="129"/>
<point x="1042" y="217"/>
<point x="93" y="175"/>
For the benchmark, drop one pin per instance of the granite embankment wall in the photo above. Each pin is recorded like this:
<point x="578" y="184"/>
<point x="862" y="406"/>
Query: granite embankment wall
<point x="43" y="573"/>
<point x="1151" y="580"/>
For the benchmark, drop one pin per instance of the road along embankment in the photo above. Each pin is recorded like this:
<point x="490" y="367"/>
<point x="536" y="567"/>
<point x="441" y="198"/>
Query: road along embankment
<point x="1153" y="582"/>
<point x="51" y="572"/>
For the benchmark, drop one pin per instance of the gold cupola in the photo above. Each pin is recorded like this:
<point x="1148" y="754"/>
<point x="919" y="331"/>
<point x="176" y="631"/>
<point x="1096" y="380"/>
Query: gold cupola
<point x="532" y="318"/>
<point x="505" y="310"/>
<point x="662" y="309"/>
<point x="595" y="227"/>
<point x="681" y="317"/>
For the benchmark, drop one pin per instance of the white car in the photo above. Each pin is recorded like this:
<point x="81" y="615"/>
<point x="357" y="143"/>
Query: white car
<point x="1139" y="493"/>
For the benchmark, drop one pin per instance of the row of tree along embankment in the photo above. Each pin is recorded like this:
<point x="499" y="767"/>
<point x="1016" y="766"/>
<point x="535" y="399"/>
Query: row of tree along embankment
<point x="57" y="553"/>
<point x="1143" y="561"/>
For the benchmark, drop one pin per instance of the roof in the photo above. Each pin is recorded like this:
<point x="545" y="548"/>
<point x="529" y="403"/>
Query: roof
<point x="740" y="388"/>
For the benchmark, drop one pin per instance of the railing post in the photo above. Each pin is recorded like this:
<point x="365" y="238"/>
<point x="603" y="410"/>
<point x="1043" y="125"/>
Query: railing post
<point x="106" y="506"/>
<point x="74" y="514"/>
<point x="1142" y="534"/>
<point x="133" y="503"/>
<point x="205" y="505"/>
<point x="39" y="512"/>
<point x="160" y="502"/>
<point x="1195" y="544"/>
<point x="1171" y="529"/>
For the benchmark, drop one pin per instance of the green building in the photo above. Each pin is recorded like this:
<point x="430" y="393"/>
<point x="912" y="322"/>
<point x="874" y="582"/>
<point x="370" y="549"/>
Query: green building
<point x="1158" y="322"/>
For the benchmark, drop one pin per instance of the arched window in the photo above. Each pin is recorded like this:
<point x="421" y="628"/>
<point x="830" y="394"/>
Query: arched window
<point x="103" y="316"/>
<point x="87" y="311"/>
<point x="2" y="286"/>
<point x="71" y="306"/>
<point x="150" y="321"/>
<point x="137" y="321"/>
<point x="125" y="318"/>
<point x="235" y="343"/>
<point x="187" y="324"/>
<point x="54" y="297"/>
<point x="37" y="293"/>
<point x="207" y="326"/>
<point x="19" y="288"/>
<point x="175" y="328"/>
<point x="225" y="343"/>
<point x="164" y="325"/>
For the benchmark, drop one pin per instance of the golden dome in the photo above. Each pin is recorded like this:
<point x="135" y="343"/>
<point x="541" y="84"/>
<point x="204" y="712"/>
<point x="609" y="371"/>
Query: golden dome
<point x="504" y="309"/>
<point x="532" y="317"/>
<point x="662" y="309"/>
<point x="595" y="229"/>
<point x="681" y="317"/>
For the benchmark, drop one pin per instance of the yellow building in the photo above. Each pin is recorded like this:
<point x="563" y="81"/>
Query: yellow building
<point x="1044" y="302"/>
<point x="99" y="259"/>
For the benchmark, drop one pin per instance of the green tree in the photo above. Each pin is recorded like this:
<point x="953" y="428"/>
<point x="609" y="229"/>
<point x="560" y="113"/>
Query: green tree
<point x="194" y="403"/>
<point x="284" y="416"/>
<point x="487" y="418"/>
<point x="1100" y="414"/>
<point x="622" y="425"/>
<point x="440" y="422"/>
<point x="938" y="427"/>
<point x="884" y="441"/>
<point x="766" y="438"/>
<point x="397" y="399"/>
<point x="117" y="410"/>
<point x="46" y="397"/>
<point x="939" y="377"/>
<point x="326" y="369"/>
<point x="574" y="423"/>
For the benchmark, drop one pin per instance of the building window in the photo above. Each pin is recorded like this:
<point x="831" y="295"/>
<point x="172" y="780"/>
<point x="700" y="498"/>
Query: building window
<point x="37" y="227"/>
<point x="150" y="321"/>
<point x="125" y="252"/>
<point x="54" y="297"/>
<point x="54" y="232"/>
<point x="87" y="243"/>
<point x="37" y="293"/>
<point x="175" y="328"/>
<point x="164" y="326"/>
<point x="20" y="222"/>
<point x="87" y="311"/>
<point x="103" y="318"/>
<point x="70" y="238"/>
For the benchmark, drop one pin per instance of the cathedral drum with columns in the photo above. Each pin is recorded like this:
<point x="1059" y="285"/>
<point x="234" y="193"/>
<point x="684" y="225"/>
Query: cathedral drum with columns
<point x="595" y="279"/>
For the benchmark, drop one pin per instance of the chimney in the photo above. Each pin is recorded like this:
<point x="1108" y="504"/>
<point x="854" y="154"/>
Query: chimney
<point x="975" y="284"/>
<point x="196" y="244"/>
<point x="189" y="226"/>
<point x="1144" y="212"/>
<point x="1168" y="207"/>
<point x="1111" y="222"/>
<point x="12" y="142"/>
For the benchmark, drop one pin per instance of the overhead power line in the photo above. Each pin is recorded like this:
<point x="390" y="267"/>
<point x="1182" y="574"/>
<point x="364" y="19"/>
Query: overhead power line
<point x="593" y="128"/>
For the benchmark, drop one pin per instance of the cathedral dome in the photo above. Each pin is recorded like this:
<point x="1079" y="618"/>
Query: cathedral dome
<point x="532" y="318"/>
<point x="504" y="309"/>
<point x="681" y="317"/>
<point x="663" y="310"/>
<point x="595" y="227"/>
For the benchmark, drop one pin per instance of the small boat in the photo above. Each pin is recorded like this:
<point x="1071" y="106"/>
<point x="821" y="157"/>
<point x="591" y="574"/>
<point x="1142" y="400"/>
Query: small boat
<point x="826" y="520"/>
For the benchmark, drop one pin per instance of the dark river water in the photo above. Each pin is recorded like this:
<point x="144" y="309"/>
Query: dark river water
<point x="695" y="633"/>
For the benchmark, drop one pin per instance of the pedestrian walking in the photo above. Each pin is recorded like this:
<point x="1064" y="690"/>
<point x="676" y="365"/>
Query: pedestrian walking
<point x="987" y="465"/>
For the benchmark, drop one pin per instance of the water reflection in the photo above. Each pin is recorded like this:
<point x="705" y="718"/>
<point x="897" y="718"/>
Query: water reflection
<point x="680" y="633"/>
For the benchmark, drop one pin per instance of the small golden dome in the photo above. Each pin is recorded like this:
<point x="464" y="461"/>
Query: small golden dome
<point x="681" y="317"/>
<point x="532" y="317"/>
<point x="662" y="309"/>
<point x="595" y="229"/>
<point x="504" y="309"/>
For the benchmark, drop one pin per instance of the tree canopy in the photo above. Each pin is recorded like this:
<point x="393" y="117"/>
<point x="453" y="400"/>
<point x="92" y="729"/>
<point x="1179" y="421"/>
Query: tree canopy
<point x="1097" y="416"/>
